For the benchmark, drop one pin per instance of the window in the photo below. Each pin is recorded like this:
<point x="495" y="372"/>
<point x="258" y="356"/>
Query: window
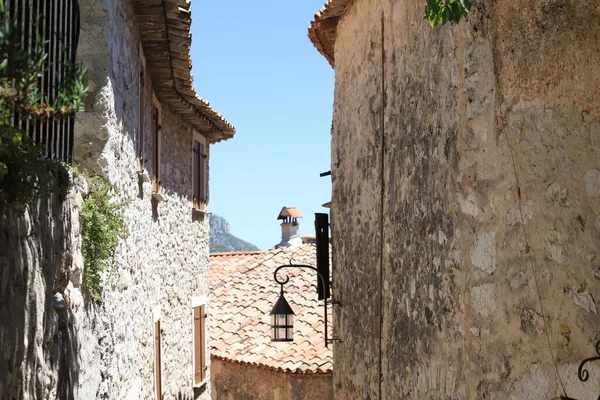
<point x="200" y="172"/>
<point x="156" y="136"/>
<point x="140" y="135"/>
<point x="199" y="333"/>
<point x="157" y="356"/>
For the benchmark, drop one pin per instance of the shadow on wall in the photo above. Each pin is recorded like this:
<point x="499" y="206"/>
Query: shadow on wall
<point x="68" y="359"/>
<point x="35" y="321"/>
<point x="197" y="393"/>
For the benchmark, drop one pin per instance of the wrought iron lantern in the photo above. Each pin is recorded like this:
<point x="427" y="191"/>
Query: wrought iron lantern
<point x="282" y="320"/>
<point x="282" y="315"/>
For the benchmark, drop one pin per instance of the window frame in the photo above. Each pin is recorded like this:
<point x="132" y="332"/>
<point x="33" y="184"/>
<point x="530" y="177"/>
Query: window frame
<point x="200" y="303"/>
<point x="196" y="170"/>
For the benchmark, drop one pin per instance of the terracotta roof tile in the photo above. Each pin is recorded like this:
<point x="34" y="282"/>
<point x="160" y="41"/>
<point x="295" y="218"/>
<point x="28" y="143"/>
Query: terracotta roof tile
<point x="244" y="292"/>
<point x="323" y="28"/>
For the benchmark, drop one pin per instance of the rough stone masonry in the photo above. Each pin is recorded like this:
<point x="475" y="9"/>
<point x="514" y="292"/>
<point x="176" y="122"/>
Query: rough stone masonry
<point x="466" y="200"/>
<point x="53" y="344"/>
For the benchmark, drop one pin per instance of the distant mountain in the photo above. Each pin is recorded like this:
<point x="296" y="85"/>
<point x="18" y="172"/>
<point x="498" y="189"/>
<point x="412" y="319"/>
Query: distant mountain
<point x="221" y="239"/>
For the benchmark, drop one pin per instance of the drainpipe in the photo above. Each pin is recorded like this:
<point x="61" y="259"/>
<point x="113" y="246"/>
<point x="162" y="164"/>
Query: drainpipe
<point x="382" y="199"/>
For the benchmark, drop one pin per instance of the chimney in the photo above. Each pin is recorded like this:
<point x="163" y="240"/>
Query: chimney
<point x="290" y="228"/>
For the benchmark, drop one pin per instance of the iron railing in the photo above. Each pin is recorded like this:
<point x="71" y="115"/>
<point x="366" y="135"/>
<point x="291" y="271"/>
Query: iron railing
<point x="57" y="25"/>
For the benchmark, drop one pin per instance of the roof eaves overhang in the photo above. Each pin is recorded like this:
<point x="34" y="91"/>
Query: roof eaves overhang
<point x="166" y="40"/>
<point x="278" y="370"/>
<point x="322" y="31"/>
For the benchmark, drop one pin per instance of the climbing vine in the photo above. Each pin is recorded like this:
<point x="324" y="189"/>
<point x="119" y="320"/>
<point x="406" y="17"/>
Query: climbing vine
<point x="101" y="227"/>
<point x="440" y="12"/>
<point x="25" y="174"/>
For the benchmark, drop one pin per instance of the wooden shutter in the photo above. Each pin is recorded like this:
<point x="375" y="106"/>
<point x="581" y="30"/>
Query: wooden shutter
<point x="157" y="361"/>
<point x="202" y="175"/>
<point x="141" y="124"/>
<point x="155" y="150"/>
<point x="199" y="344"/>
<point x="196" y="172"/>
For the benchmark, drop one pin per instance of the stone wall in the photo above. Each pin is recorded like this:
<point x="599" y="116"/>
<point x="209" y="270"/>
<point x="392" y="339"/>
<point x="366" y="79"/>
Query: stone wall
<point x="245" y="382"/>
<point x="465" y="201"/>
<point x="89" y="351"/>
<point x="39" y="345"/>
<point x="163" y="263"/>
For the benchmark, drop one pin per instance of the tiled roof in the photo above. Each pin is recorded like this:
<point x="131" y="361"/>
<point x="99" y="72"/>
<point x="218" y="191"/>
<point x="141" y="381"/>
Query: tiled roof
<point x="166" y="40"/>
<point x="289" y="212"/>
<point x="323" y="29"/>
<point x="224" y="264"/>
<point x="243" y="293"/>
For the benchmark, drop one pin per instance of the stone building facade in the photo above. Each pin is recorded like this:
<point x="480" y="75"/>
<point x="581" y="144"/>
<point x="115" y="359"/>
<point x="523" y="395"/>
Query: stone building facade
<point x="146" y="132"/>
<point x="466" y="199"/>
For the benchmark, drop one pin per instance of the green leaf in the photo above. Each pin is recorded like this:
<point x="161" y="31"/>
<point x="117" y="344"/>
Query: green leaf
<point x="439" y="12"/>
<point x="467" y="4"/>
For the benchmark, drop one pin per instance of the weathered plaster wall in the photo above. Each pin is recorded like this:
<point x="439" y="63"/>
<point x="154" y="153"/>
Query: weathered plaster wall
<point x="357" y="191"/>
<point x="239" y="382"/>
<point x="91" y="351"/>
<point x="490" y="242"/>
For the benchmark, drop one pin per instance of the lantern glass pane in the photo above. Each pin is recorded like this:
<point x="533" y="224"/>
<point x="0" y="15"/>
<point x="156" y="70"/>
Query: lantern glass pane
<point x="281" y="319"/>
<point x="282" y="327"/>
<point x="281" y="333"/>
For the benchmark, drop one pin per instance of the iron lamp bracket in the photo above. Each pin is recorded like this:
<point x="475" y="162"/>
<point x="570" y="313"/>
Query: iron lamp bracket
<point x="283" y="280"/>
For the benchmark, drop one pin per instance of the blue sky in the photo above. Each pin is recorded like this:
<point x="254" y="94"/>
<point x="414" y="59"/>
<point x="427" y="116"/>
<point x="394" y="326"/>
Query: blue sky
<point x="255" y="65"/>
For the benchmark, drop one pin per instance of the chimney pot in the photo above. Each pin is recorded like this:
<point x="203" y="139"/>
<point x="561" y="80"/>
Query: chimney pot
<point x="290" y="227"/>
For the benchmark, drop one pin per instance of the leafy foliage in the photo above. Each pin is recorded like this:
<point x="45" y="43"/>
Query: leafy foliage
<point x="101" y="227"/>
<point x="440" y="12"/>
<point x="24" y="174"/>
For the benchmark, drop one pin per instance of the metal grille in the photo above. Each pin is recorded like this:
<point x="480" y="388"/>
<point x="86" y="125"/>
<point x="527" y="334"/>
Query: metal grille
<point x="57" y="23"/>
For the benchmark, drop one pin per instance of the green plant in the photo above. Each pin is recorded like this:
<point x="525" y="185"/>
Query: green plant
<point x="440" y="12"/>
<point x="101" y="227"/>
<point x="25" y="174"/>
